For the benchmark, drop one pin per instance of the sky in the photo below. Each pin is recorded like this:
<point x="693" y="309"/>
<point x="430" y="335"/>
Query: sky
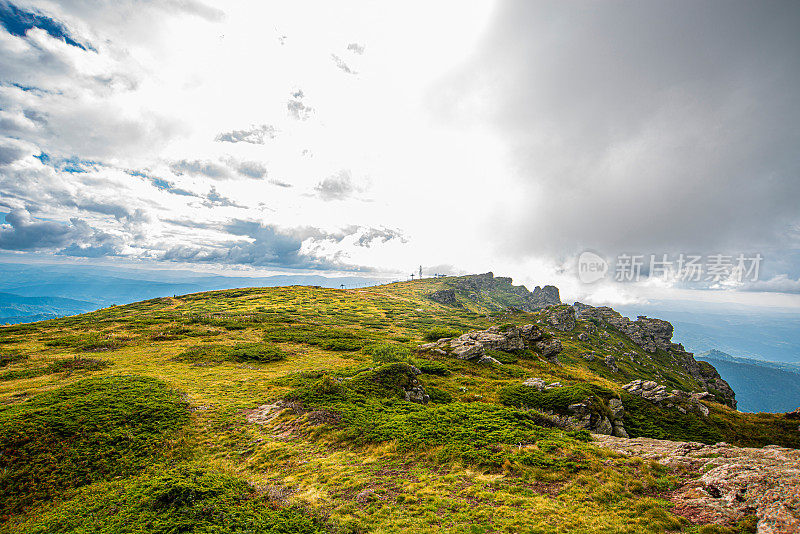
<point x="526" y="138"/>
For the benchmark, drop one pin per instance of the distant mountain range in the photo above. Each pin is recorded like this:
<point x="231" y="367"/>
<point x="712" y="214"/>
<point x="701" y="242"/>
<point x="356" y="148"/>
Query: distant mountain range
<point x="760" y="386"/>
<point x="760" y="333"/>
<point x="37" y="292"/>
<point x="16" y="308"/>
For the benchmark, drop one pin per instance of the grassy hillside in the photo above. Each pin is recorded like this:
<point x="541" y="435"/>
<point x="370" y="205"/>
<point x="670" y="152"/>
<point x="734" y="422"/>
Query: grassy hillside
<point x="286" y="410"/>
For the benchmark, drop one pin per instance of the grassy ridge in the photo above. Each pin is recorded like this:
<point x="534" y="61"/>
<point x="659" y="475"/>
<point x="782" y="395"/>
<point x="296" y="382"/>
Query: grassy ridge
<point x="294" y="401"/>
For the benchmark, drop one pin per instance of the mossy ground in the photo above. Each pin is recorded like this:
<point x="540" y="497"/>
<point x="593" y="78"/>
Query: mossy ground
<point x="473" y="460"/>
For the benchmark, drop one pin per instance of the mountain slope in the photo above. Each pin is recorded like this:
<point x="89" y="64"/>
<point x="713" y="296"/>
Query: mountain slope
<point x="303" y="409"/>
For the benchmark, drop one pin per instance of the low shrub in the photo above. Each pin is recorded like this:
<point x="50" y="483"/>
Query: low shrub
<point x="9" y="356"/>
<point x="371" y="409"/>
<point x="437" y="333"/>
<point x="388" y="352"/>
<point x="184" y="499"/>
<point x="323" y="337"/>
<point x="92" y="430"/>
<point x="430" y="367"/>
<point x="67" y="365"/>
<point x="556" y="400"/>
<point x="90" y="342"/>
<point x="241" y="352"/>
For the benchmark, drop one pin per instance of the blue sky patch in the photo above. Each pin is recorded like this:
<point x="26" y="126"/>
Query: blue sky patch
<point x="17" y="22"/>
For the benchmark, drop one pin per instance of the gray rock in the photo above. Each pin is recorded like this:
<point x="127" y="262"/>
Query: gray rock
<point x="537" y="383"/>
<point x="445" y="296"/>
<point x="561" y="317"/>
<point x="541" y="297"/>
<point x="549" y="348"/>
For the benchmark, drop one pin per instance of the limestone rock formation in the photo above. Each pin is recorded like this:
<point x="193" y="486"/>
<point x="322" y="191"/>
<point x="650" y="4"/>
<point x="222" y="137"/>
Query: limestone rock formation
<point x="653" y="335"/>
<point x="445" y="296"/>
<point x="735" y="481"/>
<point x="498" y="292"/>
<point x="560" y="317"/>
<point x="473" y="345"/>
<point x="542" y="297"/>
<point x="650" y="390"/>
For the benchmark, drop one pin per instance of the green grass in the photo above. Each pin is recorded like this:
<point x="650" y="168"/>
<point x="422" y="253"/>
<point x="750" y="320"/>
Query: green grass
<point x="91" y="430"/>
<point x="186" y="499"/>
<point x="65" y="365"/>
<point x="120" y="452"/>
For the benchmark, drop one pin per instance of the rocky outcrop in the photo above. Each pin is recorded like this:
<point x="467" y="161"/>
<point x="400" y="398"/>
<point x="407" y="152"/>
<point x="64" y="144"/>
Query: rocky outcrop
<point x="445" y="296"/>
<point x="585" y="415"/>
<point x="653" y="335"/>
<point x="542" y="297"/>
<point x="473" y="345"/>
<point x="650" y="334"/>
<point x="500" y="292"/>
<point x="735" y="481"/>
<point x="560" y="317"/>
<point x="647" y="389"/>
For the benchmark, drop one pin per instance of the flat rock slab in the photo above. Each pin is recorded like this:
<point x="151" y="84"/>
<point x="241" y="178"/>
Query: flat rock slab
<point x="736" y="481"/>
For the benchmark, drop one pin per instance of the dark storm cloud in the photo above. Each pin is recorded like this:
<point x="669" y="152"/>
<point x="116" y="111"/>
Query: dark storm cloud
<point x="206" y="168"/>
<point x="222" y="170"/>
<point x="256" y="135"/>
<point x="266" y="245"/>
<point x="641" y="126"/>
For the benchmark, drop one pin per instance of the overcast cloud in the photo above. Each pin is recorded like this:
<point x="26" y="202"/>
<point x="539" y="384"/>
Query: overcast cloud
<point x="497" y="135"/>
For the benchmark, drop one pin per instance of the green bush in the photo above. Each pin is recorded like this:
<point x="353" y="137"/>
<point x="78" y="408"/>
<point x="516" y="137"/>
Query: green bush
<point x="643" y="418"/>
<point x="186" y="499"/>
<point x="371" y="409"/>
<point x="555" y="400"/>
<point x="88" y="431"/>
<point x="323" y="337"/>
<point x="66" y="365"/>
<point x="429" y="367"/>
<point x="388" y="352"/>
<point x="241" y="352"/>
<point x="9" y="356"/>
<point x="438" y="396"/>
<point x="90" y="342"/>
<point x="437" y="333"/>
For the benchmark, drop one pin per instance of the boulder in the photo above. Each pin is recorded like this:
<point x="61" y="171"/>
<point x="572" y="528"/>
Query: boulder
<point x="445" y="296"/>
<point x="549" y="348"/>
<point x="537" y="383"/>
<point x="473" y="345"/>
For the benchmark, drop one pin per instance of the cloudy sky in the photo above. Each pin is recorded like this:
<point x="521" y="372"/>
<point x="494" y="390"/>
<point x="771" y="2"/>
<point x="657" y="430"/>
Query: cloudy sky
<point x="371" y="137"/>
